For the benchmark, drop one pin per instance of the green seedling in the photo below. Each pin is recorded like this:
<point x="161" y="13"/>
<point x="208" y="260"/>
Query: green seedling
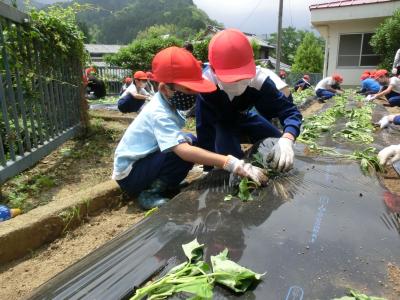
<point x="197" y="278"/>
<point x="355" y="295"/>
<point x="151" y="211"/>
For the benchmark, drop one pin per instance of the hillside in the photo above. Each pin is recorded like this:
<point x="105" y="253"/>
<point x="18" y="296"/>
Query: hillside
<point x="119" y="21"/>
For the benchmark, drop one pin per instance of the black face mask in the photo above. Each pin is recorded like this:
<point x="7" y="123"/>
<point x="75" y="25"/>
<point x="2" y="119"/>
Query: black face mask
<point x="182" y="101"/>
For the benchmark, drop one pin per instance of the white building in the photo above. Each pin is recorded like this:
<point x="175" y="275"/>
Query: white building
<point x="347" y="27"/>
<point x="97" y="51"/>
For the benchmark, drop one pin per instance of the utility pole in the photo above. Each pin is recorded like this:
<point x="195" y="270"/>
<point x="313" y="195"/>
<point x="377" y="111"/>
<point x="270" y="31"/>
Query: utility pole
<point x="279" y="39"/>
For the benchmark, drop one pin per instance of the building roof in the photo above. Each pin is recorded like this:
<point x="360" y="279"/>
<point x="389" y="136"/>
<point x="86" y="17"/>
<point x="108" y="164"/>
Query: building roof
<point x="250" y="36"/>
<point x="344" y="3"/>
<point x="101" y="48"/>
<point x="270" y="62"/>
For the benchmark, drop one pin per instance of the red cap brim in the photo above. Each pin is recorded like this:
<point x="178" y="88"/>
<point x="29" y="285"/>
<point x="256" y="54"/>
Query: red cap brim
<point x="246" y="72"/>
<point x="200" y="86"/>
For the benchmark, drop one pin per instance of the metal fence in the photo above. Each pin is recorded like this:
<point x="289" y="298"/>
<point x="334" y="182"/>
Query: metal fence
<point x="292" y="78"/>
<point x="113" y="78"/>
<point x="40" y="100"/>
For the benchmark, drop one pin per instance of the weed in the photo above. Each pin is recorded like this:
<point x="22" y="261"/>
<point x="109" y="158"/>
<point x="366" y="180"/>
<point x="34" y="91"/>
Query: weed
<point x="69" y="215"/>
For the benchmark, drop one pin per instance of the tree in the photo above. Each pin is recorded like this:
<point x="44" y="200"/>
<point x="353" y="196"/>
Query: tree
<point x="139" y="54"/>
<point x="157" y="31"/>
<point x="386" y="40"/>
<point x="291" y="40"/>
<point x="309" y="56"/>
<point x="120" y="21"/>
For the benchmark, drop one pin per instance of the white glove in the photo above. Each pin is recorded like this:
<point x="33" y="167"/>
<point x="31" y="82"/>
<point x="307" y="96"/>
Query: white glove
<point x="389" y="154"/>
<point x="239" y="167"/>
<point x="384" y="122"/>
<point x="370" y="97"/>
<point x="394" y="71"/>
<point x="282" y="155"/>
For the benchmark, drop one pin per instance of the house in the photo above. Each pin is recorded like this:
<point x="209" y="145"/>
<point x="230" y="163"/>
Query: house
<point x="265" y="47"/>
<point x="97" y="51"/>
<point x="347" y="27"/>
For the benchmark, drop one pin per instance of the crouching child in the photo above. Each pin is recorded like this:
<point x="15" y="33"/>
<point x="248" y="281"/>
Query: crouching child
<point x="154" y="155"/>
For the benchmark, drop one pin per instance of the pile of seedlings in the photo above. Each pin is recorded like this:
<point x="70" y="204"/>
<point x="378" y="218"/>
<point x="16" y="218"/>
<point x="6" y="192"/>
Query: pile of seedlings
<point x="197" y="278"/>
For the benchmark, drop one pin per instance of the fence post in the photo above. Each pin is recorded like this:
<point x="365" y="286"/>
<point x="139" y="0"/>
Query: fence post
<point x="84" y="105"/>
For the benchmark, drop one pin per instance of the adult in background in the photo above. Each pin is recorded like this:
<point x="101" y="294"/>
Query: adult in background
<point x="154" y="154"/>
<point x="392" y="92"/>
<point x="135" y="95"/>
<point x="303" y="83"/>
<point x="329" y="87"/>
<point x="396" y="64"/>
<point x="224" y="116"/>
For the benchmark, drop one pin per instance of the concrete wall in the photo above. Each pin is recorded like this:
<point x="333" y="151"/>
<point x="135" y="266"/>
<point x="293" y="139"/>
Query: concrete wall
<point x="331" y="22"/>
<point x="331" y="34"/>
<point x="350" y="13"/>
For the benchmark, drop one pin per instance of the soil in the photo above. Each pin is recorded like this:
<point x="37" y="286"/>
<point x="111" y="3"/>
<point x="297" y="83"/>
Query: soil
<point x="21" y="277"/>
<point x="394" y="278"/>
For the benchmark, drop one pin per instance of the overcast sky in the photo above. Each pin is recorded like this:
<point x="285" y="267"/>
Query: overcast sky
<point x="258" y="16"/>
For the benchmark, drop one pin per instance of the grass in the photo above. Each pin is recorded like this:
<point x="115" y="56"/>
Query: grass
<point x="78" y="161"/>
<point x="105" y="100"/>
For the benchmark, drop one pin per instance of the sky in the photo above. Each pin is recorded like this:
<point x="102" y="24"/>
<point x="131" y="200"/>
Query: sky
<point x="258" y="16"/>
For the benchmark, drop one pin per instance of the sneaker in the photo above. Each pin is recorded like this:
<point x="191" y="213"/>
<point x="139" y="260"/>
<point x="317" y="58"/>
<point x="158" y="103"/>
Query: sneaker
<point x="154" y="196"/>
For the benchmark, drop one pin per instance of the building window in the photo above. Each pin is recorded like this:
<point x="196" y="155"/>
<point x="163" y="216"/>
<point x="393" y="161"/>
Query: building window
<point x="355" y="51"/>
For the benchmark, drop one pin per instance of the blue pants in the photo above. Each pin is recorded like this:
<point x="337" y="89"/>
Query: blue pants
<point x="128" y="103"/>
<point x="167" y="167"/>
<point x="396" y="120"/>
<point x="393" y="98"/>
<point x="325" y="93"/>
<point x="251" y="125"/>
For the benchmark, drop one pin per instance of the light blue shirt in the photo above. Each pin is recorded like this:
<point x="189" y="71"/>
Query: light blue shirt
<point x="156" y="128"/>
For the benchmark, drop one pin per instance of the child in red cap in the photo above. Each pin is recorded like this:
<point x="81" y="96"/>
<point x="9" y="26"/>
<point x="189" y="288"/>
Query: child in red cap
<point x="224" y="116"/>
<point x="133" y="98"/>
<point x="127" y="82"/>
<point x="368" y="85"/>
<point x="154" y="155"/>
<point x="392" y="92"/>
<point x="329" y="87"/>
<point x="303" y="83"/>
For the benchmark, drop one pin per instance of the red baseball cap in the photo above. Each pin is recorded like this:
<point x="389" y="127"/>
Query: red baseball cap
<point x="177" y="65"/>
<point x="306" y="77"/>
<point x="140" y="75"/>
<point x="149" y="75"/>
<point x="337" y="78"/>
<point x="365" y="75"/>
<point x="380" y="73"/>
<point x="128" y="80"/>
<point x="231" y="56"/>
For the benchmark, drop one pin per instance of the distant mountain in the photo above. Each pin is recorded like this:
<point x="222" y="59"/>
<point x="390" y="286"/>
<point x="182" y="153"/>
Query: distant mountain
<point x="119" y="21"/>
<point x="38" y="3"/>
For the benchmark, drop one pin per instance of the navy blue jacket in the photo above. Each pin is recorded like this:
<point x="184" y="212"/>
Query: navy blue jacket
<point x="216" y="107"/>
<point x="302" y="83"/>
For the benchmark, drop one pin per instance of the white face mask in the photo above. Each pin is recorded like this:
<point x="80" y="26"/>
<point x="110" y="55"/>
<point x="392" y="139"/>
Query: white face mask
<point x="234" y="89"/>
